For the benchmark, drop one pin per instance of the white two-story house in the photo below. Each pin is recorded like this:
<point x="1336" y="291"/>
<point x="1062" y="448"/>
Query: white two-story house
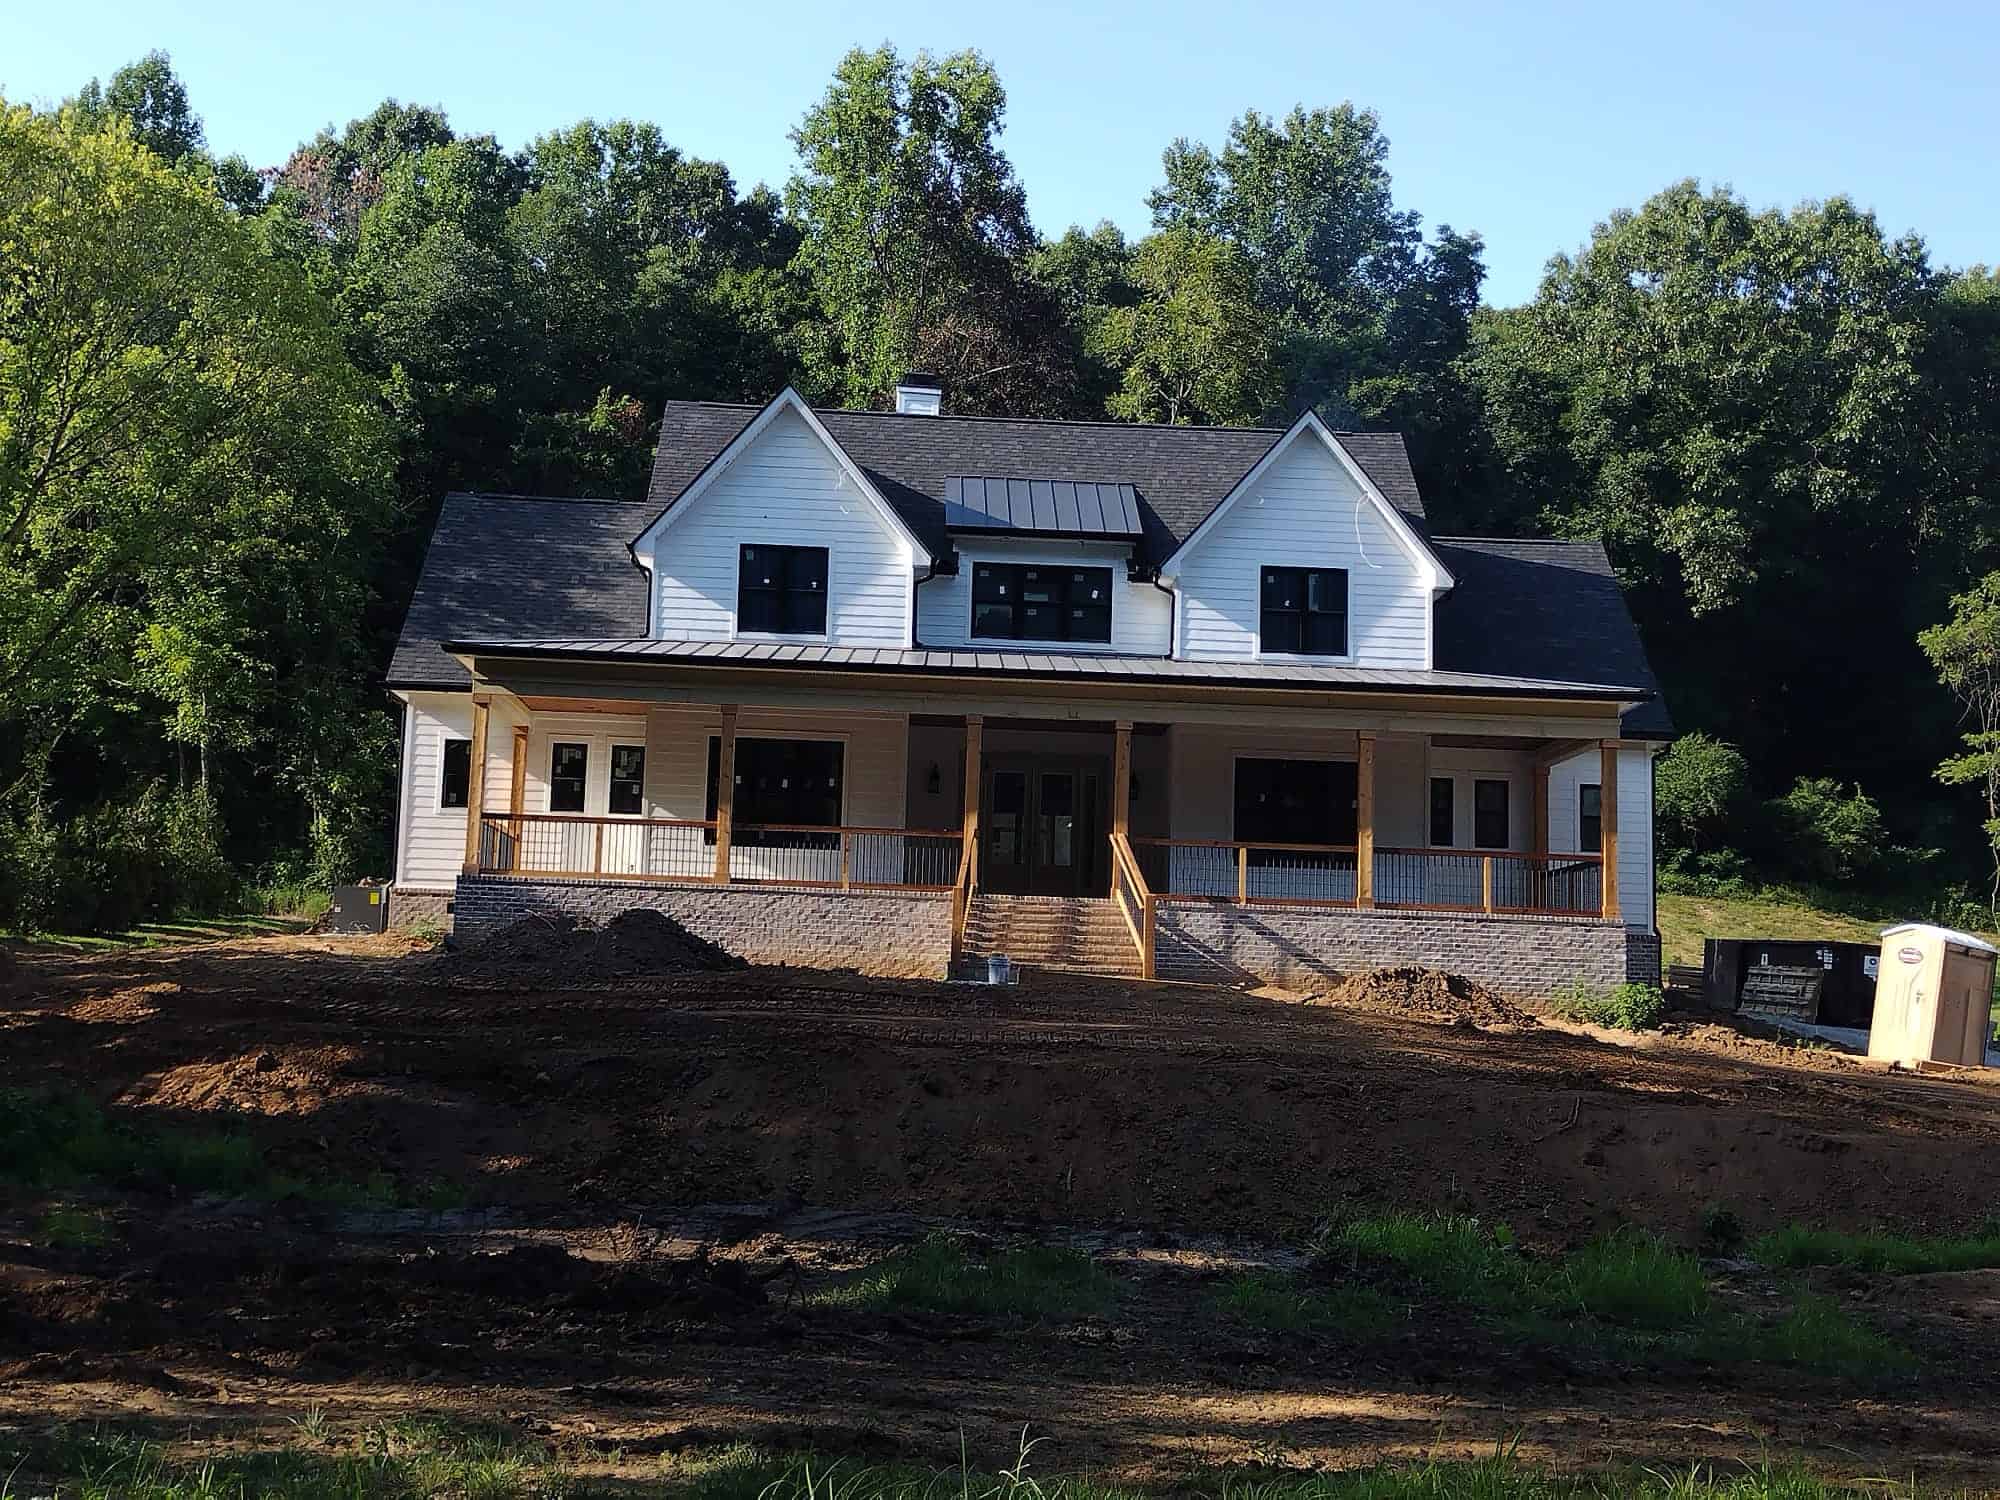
<point x="894" y="690"/>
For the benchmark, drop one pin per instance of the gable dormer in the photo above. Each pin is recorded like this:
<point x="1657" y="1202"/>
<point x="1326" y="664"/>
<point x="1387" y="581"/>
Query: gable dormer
<point x="781" y="537"/>
<point x="1306" y="560"/>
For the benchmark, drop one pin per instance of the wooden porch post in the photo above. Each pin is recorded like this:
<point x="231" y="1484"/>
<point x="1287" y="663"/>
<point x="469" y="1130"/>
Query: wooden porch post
<point x="517" y="793"/>
<point x="1364" y="821"/>
<point x="475" y="791"/>
<point x="975" y="726"/>
<point x="1607" y="819"/>
<point x="1121" y="781"/>
<point x="725" y="792"/>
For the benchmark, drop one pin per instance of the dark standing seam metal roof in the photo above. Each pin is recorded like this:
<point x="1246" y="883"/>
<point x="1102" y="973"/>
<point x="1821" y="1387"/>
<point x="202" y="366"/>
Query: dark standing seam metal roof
<point x="519" y="568"/>
<point x="1178" y="474"/>
<point x="1051" y="507"/>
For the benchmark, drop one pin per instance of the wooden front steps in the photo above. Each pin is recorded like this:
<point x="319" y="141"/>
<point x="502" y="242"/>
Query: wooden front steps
<point x="1079" y="934"/>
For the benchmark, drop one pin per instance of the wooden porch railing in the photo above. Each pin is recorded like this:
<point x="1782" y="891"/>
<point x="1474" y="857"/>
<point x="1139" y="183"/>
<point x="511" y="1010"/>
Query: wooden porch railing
<point x="846" y="857"/>
<point x="962" y="889"/>
<point x="1134" y="899"/>
<point x="1473" y="880"/>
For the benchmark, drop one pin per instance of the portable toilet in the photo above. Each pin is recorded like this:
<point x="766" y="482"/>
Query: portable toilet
<point x="1933" y="996"/>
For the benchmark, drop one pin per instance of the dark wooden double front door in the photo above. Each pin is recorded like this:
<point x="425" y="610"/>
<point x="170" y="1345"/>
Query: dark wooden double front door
<point x="1042" y="826"/>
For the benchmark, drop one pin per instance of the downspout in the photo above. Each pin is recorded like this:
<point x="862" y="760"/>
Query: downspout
<point x="930" y="572"/>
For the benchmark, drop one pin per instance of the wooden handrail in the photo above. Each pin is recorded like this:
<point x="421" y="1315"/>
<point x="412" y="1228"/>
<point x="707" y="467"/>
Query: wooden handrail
<point x="1435" y="851"/>
<point x="1141" y="925"/>
<point x="962" y="886"/>
<point x="621" y="820"/>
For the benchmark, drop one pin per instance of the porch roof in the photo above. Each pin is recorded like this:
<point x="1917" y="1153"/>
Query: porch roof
<point x="1103" y="666"/>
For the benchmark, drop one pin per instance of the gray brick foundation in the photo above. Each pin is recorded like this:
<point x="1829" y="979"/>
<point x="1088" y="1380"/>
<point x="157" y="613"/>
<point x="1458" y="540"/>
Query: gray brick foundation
<point x="408" y="906"/>
<point x="1301" y="947"/>
<point x="1642" y="957"/>
<point x="896" y="934"/>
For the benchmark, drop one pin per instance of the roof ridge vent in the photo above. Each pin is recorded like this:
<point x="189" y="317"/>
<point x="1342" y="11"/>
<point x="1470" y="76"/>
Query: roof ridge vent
<point x="919" y="394"/>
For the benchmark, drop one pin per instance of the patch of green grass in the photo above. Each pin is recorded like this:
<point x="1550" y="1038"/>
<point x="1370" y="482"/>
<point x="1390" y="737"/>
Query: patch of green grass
<point x="408" y="1458"/>
<point x="1797" y="1247"/>
<point x="1627" y="1292"/>
<point x="1451" y="1254"/>
<point x="1279" y="1303"/>
<point x="938" y="1275"/>
<point x="67" y="1228"/>
<point x="167" y="932"/>
<point x="54" y="1139"/>
<point x="435" y="1459"/>
<point x="1634" y="1280"/>
<point x="1622" y="1007"/>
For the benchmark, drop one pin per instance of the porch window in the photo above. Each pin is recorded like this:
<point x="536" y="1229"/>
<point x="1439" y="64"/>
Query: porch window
<point x="784" y="782"/>
<point x="569" y="772"/>
<point x="1590" y="819"/>
<point x="781" y="590"/>
<point x="1031" y="602"/>
<point x="1443" y="812"/>
<point x="1295" y="802"/>
<point x="1489" y="814"/>
<point x="455" y="774"/>
<point x="1304" y="611"/>
<point x="628" y="779"/>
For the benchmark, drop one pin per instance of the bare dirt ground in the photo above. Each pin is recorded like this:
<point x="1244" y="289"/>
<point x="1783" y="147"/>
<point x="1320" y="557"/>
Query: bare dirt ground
<point x="660" y="1171"/>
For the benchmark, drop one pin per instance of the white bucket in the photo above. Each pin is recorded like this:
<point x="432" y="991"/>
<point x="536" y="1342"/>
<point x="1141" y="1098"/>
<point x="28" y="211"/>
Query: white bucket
<point x="999" y="970"/>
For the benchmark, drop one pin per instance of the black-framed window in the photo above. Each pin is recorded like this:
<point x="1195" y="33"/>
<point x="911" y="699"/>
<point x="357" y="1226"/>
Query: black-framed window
<point x="782" y="781"/>
<point x="455" y="774"/>
<point x="569" y="775"/>
<point x="1590" y="818"/>
<point x="628" y="779"/>
<point x="1489" y="814"/>
<point x="1295" y="801"/>
<point x="1444" y="812"/>
<point x="1035" y="602"/>
<point x="1303" y="611"/>
<point x="781" y="590"/>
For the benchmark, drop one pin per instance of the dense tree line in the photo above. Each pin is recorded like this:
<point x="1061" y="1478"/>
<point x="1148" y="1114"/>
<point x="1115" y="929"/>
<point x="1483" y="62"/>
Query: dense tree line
<point x="231" y="399"/>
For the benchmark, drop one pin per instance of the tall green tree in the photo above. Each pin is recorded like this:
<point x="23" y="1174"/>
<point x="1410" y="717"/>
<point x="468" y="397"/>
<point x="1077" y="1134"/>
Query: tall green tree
<point x="1965" y="651"/>
<point x="1195" y="346"/>
<point x="193" y="478"/>
<point x="1734" y="402"/>
<point x="1372" y="322"/>
<point x="150" y="96"/>
<point x="917" y="239"/>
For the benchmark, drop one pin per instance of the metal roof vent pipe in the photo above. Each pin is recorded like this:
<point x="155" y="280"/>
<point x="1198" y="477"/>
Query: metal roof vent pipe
<point x="919" y="394"/>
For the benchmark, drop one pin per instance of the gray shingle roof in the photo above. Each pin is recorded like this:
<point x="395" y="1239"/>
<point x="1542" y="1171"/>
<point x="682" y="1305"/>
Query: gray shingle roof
<point x="513" y="565"/>
<point x="519" y="568"/>
<point x="1180" y="473"/>
<point x="1109" y="666"/>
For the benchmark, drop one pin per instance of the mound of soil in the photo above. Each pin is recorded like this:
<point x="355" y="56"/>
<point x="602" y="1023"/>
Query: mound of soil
<point x="1431" y="994"/>
<point x="558" y="950"/>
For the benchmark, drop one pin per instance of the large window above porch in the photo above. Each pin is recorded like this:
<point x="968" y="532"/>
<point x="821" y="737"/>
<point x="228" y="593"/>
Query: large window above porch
<point x="781" y="590"/>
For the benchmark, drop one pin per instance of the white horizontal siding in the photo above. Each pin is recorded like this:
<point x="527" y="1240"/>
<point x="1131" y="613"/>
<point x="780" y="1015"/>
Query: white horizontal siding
<point x="785" y="488"/>
<point x="1635" y="822"/>
<point x="1142" y="617"/>
<point x="1305" y="512"/>
<point x="430" y="840"/>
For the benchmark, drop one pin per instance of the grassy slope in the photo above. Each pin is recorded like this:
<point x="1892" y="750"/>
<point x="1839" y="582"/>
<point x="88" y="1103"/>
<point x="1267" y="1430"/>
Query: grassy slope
<point x="161" y="933"/>
<point x="1686" y="920"/>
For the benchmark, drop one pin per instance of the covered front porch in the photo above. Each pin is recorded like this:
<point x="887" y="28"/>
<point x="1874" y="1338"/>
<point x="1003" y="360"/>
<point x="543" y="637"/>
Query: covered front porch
<point x="1172" y="818"/>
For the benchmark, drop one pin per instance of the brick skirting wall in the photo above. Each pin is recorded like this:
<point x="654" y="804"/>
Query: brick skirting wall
<point x="1300" y="947"/>
<point x="897" y="934"/>
<point x="409" y="906"/>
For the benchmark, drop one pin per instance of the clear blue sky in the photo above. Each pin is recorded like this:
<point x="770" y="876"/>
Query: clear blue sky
<point x="1528" y="122"/>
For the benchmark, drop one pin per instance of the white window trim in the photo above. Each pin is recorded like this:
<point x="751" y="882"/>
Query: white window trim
<point x="776" y="637"/>
<point x="1301" y="658"/>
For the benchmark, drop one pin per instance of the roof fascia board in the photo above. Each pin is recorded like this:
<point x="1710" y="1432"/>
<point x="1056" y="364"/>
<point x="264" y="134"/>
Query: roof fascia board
<point x="786" y="400"/>
<point x="1419" y="550"/>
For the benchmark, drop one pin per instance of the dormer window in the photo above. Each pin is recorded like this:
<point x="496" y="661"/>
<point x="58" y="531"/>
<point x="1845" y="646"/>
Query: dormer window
<point x="781" y="590"/>
<point x="1304" y="612"/>
<point x="1034" y="602"/>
